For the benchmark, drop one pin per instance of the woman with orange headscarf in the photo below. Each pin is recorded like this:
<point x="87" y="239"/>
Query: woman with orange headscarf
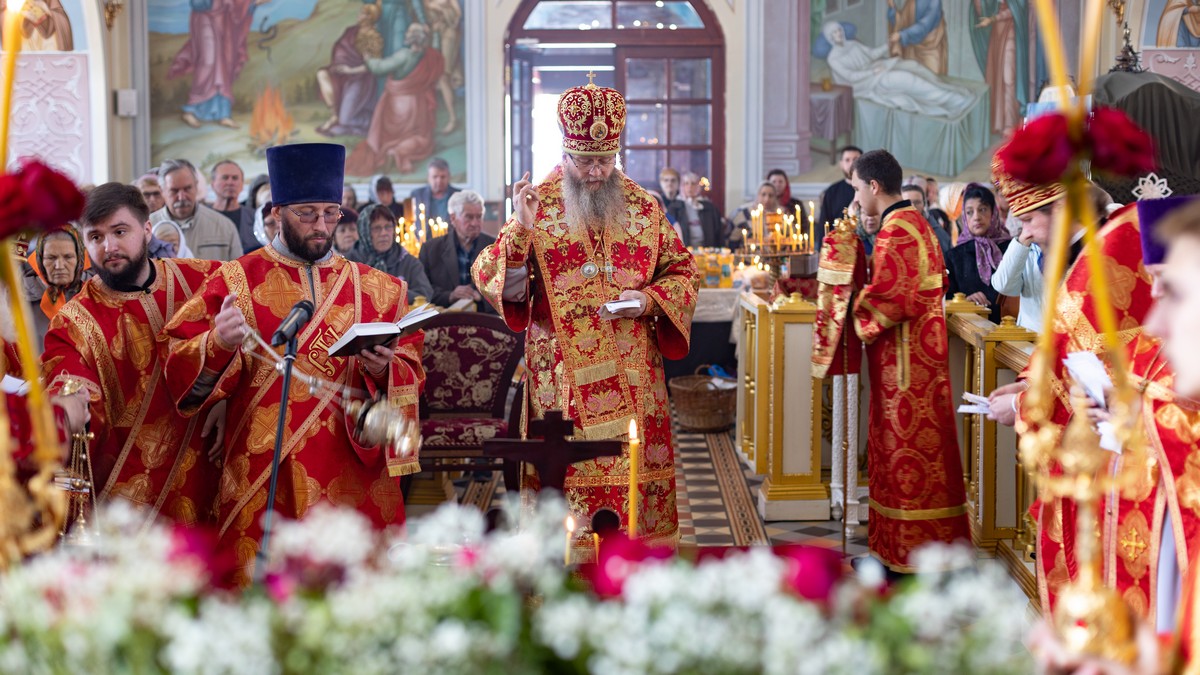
<point x="58" y="262"/>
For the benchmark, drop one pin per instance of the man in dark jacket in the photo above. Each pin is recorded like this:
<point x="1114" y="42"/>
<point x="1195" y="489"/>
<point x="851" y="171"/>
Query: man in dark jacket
<point x="435" y="193"/>
<point x="697" y="217"/>
<point x="448" y="258"/>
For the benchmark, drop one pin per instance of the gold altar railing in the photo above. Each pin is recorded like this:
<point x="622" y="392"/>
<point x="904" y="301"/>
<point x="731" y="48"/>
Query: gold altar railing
<point x="985" y="356"/>
<point x="779" y="415"/>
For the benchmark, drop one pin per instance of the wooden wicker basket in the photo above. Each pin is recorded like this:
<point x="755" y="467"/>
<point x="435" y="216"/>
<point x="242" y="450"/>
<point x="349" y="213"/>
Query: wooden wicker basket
<point x="702" y="406"/>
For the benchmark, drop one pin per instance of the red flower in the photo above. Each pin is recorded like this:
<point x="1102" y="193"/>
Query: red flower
<point x="197" y="545"/>
<point x="1039" y="152"/>
<point x="620" y="557"/>
<point x="1119" y="146"/>
<point x="812" y="572"/>
<point x="53" y="197"/>
<point x="13" y="206"/>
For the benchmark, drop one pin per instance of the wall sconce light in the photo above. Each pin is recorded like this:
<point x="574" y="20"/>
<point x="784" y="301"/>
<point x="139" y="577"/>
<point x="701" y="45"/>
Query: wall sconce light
<point x="111" y="9"/>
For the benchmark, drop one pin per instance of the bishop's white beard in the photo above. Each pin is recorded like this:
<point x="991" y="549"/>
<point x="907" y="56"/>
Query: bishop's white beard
<point x="588" y="208"/>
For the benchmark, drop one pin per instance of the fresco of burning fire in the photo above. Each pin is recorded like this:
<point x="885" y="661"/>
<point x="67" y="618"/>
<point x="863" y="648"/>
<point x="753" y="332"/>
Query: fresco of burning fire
<point x="230" y="78"/>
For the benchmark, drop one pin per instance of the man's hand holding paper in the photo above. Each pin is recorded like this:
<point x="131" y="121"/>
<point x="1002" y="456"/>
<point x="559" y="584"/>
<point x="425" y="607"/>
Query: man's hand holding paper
<point x="630" y="305"/>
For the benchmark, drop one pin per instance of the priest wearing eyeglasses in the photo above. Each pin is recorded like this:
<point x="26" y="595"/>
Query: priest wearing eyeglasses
<point x="583" y="237"/>
<point x="323" y="460"/>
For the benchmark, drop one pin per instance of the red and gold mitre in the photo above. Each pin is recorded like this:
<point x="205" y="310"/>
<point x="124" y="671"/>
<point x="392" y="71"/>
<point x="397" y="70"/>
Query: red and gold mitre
<point x="1023" y="197"/>
<point x="591" y="119"/>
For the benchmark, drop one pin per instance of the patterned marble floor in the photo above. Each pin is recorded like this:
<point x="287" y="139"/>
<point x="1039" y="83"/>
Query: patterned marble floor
<point x="717" y="497"/>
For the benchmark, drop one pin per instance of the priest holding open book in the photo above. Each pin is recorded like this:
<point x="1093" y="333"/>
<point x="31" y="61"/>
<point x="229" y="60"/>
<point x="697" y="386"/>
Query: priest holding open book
<point x="211" y="361"/>
<point x="590" y="268"/>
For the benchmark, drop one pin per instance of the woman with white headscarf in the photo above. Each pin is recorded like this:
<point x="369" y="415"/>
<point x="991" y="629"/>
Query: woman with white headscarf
<point x="171" y="233"/>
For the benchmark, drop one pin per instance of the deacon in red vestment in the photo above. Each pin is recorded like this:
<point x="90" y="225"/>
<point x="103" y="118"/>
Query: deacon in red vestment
<point x="1166" y="358"/>
<point x="587" y="235"/>
<point x="107" y="338"/>
<point x="322" y="460"/>
<point x="914" y="467"/>
<point x="1146" y="533"/>
<point x="1075" y="329"/>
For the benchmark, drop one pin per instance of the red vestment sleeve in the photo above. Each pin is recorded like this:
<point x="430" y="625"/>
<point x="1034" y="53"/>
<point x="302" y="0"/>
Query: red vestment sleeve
<point x="674" y="290"/>
<point x="199" y="371"/>
<point x="510" y="250"/>
<point x="63" y="359"/>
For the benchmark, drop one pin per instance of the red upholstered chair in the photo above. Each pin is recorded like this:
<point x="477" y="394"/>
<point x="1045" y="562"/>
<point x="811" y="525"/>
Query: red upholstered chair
<point x="469" y="361"/>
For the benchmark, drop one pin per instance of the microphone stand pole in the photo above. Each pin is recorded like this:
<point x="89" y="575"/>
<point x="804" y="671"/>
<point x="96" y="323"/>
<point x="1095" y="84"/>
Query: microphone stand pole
<point x="260" y="560"/>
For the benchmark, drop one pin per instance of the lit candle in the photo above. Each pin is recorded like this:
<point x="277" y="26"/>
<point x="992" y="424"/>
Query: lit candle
<point x="596" y="545"/>
<point x="569" y="526"/>
<point x="812" y="223"/>
<point x="635" y="447"/>
<point x="421" y="211"/>
<point x="12" y="47"/>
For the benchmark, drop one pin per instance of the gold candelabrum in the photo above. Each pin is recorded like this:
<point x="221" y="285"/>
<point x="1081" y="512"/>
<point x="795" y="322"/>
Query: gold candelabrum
<point x="1127" y="59"/>
<point x="1090" y="618"/>
<point x="781" y="243"/>
<point x="412" y="236"/>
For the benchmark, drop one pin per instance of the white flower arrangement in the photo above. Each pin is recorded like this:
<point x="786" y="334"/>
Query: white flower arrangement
<point x="450" y="598"/>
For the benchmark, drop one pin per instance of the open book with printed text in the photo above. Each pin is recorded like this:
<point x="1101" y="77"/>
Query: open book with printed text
<point x="362" y="336"/>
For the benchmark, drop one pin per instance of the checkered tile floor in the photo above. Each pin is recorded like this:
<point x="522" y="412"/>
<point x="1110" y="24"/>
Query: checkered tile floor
<point x="717" y="498"/>
<point x="708" y="513"/>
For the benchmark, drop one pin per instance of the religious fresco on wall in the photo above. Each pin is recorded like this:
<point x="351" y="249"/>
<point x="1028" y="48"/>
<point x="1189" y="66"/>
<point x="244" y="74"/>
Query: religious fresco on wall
<point x="50" y="26"/>
<point x="937" y="82"/>
<point x="231" y="78"/>
<point x="1171" y="40"/>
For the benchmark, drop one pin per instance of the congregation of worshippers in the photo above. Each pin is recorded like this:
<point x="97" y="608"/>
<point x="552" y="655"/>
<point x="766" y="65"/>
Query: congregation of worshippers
<point x="154" y="307"/>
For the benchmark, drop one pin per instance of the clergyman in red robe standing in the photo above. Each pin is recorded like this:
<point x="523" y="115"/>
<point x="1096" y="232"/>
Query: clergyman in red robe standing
<point x="323" y="460"/>
<point x="587" y="235"/>
<point x="915" y="471"/>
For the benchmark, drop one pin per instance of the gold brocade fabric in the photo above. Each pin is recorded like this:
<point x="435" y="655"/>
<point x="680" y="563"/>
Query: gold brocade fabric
<point x="841" y="273"/>
<point x="322" y="461"/>
<point x="601" y="373"/>
<point x="1075" y="329"/>
<point x="915" y="470"/>
<point x="144" y="450"/>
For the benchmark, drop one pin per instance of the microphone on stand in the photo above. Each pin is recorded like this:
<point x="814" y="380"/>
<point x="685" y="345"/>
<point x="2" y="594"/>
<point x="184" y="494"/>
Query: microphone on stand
<point x="301" y="314"/>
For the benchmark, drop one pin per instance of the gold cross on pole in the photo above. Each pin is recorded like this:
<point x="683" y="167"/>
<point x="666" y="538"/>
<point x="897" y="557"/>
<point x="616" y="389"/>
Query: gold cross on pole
<point x="591" y="75"/>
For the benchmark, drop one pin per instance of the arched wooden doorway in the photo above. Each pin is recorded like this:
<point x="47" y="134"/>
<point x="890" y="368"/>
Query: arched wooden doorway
<point x="666" y="57"/>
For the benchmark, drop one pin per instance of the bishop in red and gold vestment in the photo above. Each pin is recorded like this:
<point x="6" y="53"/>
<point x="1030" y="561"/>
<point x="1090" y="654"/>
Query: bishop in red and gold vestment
<point x="322" y="460"/>
<point x="914" y="466"/>
<point x="584" y="236"/>
<point x="107" y="337"/>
